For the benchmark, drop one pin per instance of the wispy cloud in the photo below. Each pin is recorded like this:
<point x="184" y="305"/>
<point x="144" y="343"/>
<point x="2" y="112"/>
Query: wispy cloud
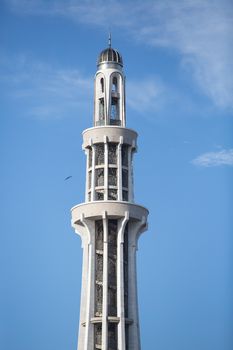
<point x="200" y="30"/>
<point x="211" y="159"/>
<point x="151" y="98"/>
<point x="43" y="91"/>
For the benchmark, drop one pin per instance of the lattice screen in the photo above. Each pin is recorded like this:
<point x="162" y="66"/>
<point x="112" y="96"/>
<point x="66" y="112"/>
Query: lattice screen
<point x="99" y="154"/>
<point x="99" y="177"/>
<point x="112" y="177"/>
<point x="112" y="194"/>
<point x="90" y="158"/>
<point x="124" y="178"/>
<point x="89" y="179"/>
<point x="124" y="155"/>
<point x="112" y="336"/>
<point x="112" y="267"/>
<point x="126" y="270"/>
<point x="99" y="195"/>
<point x="125" y="195"/>
<point x="99" y="267"/>
<point x="99" y="235"/>
<point x="98" y="335"/>
<point x="112" y="153"/>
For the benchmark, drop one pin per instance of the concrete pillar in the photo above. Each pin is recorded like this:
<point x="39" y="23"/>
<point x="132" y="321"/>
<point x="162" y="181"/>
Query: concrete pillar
<point x="95" y="208"/>
<point x="105" y="285"/>
<point x="120" y="282"/>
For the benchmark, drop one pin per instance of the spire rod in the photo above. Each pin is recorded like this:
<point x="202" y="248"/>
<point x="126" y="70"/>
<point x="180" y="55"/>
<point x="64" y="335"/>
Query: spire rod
<point x="110" y="39"/>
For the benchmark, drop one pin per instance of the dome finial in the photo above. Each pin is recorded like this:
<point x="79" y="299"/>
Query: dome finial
<point x="110" y="39"/>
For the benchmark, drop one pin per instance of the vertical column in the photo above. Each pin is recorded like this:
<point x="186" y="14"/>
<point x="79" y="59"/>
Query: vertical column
<point x="123" y="100"/>
<point x="124" y="108"/>
<point x="105" y="168"/>
<point x="95" y="118"/>
<point x="119" y="169"/>
<point x="134" y="337"/>
<point x="84" y="289"/>
<point x="105" y="101"/>
<point x="130" y="183"/>
<point x="93" y="174"/>
<point x="87" y="152"/>
<point x="105" y="285"/>
<point x="120" y="283"/>
<point x="135" y="229"/>
<point x="89" y="304"/>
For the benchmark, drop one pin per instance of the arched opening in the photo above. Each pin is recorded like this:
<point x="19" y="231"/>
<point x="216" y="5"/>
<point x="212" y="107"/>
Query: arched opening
<point x="115" y="102"/>
<point x="114" y="84"/>
<point x="114" y="109"/>
<point x="102" y="84"/>
<point x="101" y="111"/>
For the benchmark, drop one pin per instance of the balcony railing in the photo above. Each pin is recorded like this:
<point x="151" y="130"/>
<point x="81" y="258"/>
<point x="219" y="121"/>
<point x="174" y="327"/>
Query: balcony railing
<point x="116" y="122"/>
<point x="100" y="122"/>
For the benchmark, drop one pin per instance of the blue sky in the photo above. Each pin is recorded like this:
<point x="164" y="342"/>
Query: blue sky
<point x="178" y="62"/>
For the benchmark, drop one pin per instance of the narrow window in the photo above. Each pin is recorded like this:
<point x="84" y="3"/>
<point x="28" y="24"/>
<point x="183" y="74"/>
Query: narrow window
<point x="114" y="108"/>
<point x="102" y="84"/>
<point x="114" y="84"/>
<point x="101" y="109"/>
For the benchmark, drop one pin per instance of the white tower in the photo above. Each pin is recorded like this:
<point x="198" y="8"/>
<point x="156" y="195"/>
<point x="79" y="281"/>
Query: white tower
<point x="109" y="222"/>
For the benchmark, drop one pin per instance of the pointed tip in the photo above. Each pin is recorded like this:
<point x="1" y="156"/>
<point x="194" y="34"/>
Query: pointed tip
<point x="110" y="39"/>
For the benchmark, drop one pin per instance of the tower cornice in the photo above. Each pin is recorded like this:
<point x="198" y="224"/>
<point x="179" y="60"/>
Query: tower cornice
<point x="113" y="209"/>
<point x="115" y="134"/>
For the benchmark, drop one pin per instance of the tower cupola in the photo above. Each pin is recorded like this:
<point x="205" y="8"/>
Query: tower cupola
<point x="109" y="108"/>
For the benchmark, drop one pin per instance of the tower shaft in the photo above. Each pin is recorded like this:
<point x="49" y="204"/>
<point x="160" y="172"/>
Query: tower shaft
<point x="109" y="222"/>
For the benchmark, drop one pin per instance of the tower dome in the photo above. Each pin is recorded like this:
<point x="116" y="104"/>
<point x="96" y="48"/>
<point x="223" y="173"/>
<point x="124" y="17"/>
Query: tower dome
<point x="110" y="55"/>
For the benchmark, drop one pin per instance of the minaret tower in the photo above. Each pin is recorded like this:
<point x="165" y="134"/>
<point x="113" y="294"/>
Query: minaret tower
<point x="109" y="222"/>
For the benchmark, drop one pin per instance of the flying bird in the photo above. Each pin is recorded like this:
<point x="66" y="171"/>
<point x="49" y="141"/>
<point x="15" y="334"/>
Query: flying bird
<point x="68" y="177"/>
